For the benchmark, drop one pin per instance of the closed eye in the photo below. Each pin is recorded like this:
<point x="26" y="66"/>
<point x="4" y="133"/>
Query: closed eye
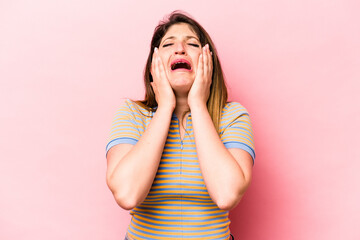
<point x="194" y="44"/>
<point x="191" y="44"/>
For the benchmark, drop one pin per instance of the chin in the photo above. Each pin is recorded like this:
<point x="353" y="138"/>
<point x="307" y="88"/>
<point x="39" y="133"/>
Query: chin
<point x="181" y="85"/>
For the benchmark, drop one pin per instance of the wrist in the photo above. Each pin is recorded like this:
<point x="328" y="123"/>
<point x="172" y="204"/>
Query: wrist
<point x="166" y="108"/>
<point x="197" y="105"/>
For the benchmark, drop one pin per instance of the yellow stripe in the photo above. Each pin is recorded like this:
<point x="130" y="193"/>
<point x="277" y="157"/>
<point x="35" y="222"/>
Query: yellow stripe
<point x="198" y="213"/>
<point x="184" y="218"/>
<point x="177" y="181"/>
<point x="229" y="138"/>
<point x="177" y="145"/>
<point x="177" y="227"/>
<point x="147" y="235"/>
<point x="179" y="155"/>
<point x="182" y="207"/>
<point x="185" y="223"/>
<point x="178" y="165"/>
<point x="170" y="200"/>
<point x="175" y="233"/>
<point x="177" y="170"/>
<point x="176" y="191"/>
<point x="177" y="186"/>
<point x="174" y="196"/>
<point x="168" y="161"/>
<point x="183" y="150"/>
<point x="176" y="176"/>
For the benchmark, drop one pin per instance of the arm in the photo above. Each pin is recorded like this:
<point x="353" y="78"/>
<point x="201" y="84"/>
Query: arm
<point x="132" y="169"/>
<point x="226" y="172"/>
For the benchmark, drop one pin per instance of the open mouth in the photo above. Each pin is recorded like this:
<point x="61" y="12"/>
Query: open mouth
<point x="181" y="64"/>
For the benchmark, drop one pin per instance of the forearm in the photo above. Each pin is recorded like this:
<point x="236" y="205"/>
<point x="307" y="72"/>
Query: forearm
<point x="223" y="176"/>
<point x="131" y="179"/>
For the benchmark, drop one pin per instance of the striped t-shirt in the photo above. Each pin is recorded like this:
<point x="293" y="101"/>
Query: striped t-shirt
<point x="178" y="205"/>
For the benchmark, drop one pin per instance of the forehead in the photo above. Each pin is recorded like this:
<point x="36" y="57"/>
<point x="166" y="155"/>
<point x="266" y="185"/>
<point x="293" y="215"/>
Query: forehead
<point x="179" y="30"/>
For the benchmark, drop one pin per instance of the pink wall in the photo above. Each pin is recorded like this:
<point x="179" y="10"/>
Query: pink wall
<point x="66" y="65"/>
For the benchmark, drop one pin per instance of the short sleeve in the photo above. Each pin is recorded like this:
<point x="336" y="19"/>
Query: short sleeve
<point x="236" y="130"/>
<point x="124" y="127"/>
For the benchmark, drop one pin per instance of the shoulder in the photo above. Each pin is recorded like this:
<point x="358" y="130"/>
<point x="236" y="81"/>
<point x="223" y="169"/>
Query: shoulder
<point x="233" y="108"/>
<point x="135" y="108"/>
<point x="233" y="112"/>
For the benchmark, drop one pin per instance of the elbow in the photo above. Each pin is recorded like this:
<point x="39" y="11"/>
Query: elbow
<point x="228" y="203"/>
<point x="125" y="203"/>
<point x="229" y="200"/>
<point x="125" y="200"/>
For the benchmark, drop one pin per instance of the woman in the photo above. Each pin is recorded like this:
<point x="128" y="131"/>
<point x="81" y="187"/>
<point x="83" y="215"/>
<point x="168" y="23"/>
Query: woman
<point x="181" y="158"/>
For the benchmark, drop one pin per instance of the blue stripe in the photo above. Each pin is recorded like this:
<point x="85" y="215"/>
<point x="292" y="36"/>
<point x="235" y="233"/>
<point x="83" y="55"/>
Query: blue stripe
<point x="183" y="157"/>
<point x="179" y="143"/>
<point x="184" y="199"/>
<point x="120" y="140"/>
<point x="178" y="230"/>
<point x="176" y="225"/>
<point x="180" y="184"/>
<point x="174" y="163"/>
<point x="179" y="178"/>
<point x="175" y="236"/>
<point x="183" y="153"/>
<point x="179" y="167"/>
<point x="162" y="204"/>
<point x="159" y="174"/>
<point x="177" y="194"/>
<point x="179" y="147"/>
<point x="176" y="189"/>
<point x="242" y="146"/>
<point x="180" y="209"/>
<point x="212" y="217"/>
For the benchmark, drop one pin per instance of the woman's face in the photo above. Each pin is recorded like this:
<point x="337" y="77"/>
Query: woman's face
<point x="179" y="51"/>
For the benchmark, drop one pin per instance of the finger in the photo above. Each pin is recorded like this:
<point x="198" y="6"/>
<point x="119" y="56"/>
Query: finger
<point x="157" y="72"/>
<point x="199" y="70"/>
<point x="205" y="57"/>
<point x="161" y="68"/>
<point x="153" y="63"/>
<point x="210" y="61"/>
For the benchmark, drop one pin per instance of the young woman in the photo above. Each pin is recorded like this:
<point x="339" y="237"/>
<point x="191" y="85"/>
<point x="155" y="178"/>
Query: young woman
<point x="181" y="158"/>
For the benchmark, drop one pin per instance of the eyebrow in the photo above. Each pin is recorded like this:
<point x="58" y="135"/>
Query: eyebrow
<point x="173" y="37"/>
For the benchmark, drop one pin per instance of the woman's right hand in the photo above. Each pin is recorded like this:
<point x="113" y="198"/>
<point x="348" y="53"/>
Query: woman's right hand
<point x="164" y="94"/>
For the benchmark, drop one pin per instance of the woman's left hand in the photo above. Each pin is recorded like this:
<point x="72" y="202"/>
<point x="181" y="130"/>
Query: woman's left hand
<point x="200" y="89"/>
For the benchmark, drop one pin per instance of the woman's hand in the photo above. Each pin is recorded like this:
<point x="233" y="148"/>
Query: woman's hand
<point x="164" y="94"/>
<point x="200" y="90"/>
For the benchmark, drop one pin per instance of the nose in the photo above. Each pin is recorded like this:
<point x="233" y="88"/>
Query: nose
<point x="179" y="48"/>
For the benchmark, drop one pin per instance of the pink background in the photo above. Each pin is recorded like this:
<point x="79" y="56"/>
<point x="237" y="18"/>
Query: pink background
<point x="65" y="67"/>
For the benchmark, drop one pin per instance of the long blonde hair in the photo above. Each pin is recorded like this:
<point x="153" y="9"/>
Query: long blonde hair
<point x="218" y="91"/>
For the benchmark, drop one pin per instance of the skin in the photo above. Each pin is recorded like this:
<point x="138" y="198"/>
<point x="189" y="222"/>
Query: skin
<point x="132" y="168"/>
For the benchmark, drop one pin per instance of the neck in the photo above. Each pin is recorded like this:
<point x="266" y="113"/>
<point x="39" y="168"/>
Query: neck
<point x="182" y="107"/>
